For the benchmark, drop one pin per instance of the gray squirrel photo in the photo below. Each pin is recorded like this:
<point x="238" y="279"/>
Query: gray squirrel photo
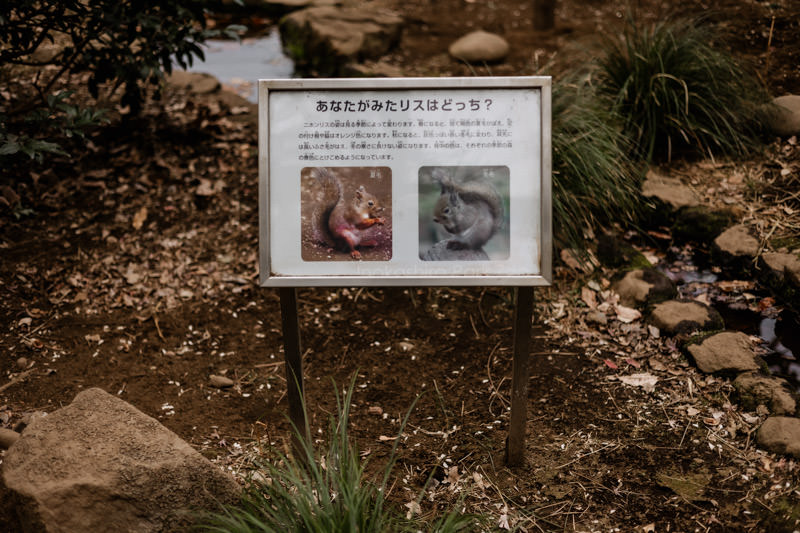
<point x="463" y="213"/>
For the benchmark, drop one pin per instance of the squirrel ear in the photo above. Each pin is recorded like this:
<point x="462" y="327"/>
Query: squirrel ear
<point x="360" y="192"/>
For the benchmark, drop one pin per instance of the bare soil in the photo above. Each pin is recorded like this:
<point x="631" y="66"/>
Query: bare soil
<point x="133" y="268"/>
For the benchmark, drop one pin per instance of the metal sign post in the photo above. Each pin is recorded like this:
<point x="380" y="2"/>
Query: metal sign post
<point x="406" y="182"/>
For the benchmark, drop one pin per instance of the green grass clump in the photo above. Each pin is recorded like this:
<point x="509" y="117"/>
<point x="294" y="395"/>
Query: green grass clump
<point x="675" y="91"/>
<point x="325" y="493"/>
<point x="595" y="182"/>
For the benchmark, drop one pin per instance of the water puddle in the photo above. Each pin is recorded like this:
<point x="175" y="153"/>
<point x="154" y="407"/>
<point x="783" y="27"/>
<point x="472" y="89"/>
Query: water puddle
<point x="239" y="65"/>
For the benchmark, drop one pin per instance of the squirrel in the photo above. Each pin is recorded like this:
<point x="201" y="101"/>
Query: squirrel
<point x="344" y="220"/>
<point x="471" y="211"/>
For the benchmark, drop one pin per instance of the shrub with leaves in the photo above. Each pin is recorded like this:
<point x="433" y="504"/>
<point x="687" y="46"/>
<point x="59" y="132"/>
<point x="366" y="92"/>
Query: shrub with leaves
<point x="674" y="90"/>
<point x="594" y="180"/>
<point x="121" y="44"/>
<point x="325" y="493"/>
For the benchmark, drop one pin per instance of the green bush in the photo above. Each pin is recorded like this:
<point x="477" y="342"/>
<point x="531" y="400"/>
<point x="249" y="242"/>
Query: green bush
<point x="122" y="44"/>
<point x="324" y="493"/>
<point x="594" y="180"/>
<point x="674" y="91"/>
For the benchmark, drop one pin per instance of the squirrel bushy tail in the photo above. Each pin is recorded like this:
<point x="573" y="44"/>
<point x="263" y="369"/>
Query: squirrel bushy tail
<point x="330" y="195"/>
<point x="344" y="221"/>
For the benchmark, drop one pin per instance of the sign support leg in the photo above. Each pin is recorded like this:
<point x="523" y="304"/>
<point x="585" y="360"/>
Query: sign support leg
<point x="294" y="370"/>
<point x="523" y="313"/>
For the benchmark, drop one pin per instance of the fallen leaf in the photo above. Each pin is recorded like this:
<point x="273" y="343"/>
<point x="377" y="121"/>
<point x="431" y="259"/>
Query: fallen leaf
<point x="611" y="364"/>
<point x="655" y="364"/>
<point x="649" y="528"/>
<point x="688" y="486"/>
<point x="375" y="410"/>
<point x="589" y="298"/>
<point x="478" y="479"/>
<point x="139" y="218"/>
<point x="627" y="315"/>
<point x="633" y="363"/>
<point x="644" y="380"/>
<point x="413" y="508"/>
<point x="452" y="475"/>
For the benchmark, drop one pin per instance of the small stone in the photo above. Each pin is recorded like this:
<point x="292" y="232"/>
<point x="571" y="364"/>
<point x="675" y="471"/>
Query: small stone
<point x="221" y="382"/>
<point x="195" y="82"/>
<point x="684" y="316"/>
<point x="669" y="190"/>
<point x="644" y="286"/>
<point x="783" y="116"/>
<point x="784" y="265"/>
<point x="738" y="241"/>
<point x="479" y="46"/>
<point x="375" y="410"/>
<point x="22" y="363"/>
<point x="596" y="317"/>
<point x="729" y="351"/>
<point x="755" y="389"/>
<point x="780" y="434"/>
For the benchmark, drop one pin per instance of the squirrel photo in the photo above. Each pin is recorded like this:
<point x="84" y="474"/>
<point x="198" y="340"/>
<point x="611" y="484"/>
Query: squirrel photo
<point x="342" y="220"/>
<point x="470" y="211"/>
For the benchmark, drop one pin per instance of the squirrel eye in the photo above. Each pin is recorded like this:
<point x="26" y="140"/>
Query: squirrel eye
<point x="446" y="210"/>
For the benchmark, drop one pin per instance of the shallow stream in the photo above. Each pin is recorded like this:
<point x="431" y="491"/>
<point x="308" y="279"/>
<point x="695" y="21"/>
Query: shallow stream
<point x="239" y="65"/>
<point x="747" y="308"/>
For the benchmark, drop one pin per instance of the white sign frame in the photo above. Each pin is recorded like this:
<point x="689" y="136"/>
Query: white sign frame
<point x="289" y="109"/>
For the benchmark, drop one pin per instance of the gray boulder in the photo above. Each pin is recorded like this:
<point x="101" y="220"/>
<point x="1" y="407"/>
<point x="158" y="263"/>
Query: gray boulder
<point x="327" y="39"/>
<point x="684" y="316"/>
<point x="780" y="434"/>
<point x="669" y="190"/>
<point x="101" y="465"/>
<point x="773" y="392"/>
<point x="479" y="47"/>
<point x="737" y="241"/>
<point x="194" y="82"/>
<point x="642" y="286"/>
<point x="783" y="116"/>
<point x="729" y="351"/>
<point x="784" y="266"/>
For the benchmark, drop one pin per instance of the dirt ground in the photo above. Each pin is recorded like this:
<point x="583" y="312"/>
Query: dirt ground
<point x="133" y="268"/>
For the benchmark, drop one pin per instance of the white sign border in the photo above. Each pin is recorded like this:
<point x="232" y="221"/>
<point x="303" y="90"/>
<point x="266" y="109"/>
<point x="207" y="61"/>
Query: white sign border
<point x="543" y="83"/>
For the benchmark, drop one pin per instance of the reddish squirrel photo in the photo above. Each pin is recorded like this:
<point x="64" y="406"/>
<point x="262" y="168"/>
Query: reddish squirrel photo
<point x="346" y="218"/>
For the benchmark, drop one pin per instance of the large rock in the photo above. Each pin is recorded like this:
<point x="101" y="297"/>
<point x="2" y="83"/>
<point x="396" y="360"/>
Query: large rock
<point x="773" y="392"/>
<point x="326" y="39"/>
<point x="783" y="116"/>
<point x="785" y="266"/>
<point x="728" y="352"/>
<point x="737" y="241"/>
<point x="669" y="190"/>
<point x="642" y="286"/>
<point x="780" y="434"/>
<point x="685" y="316"/>
<point x="479" y="47"/>
<point x="101" y="465"/>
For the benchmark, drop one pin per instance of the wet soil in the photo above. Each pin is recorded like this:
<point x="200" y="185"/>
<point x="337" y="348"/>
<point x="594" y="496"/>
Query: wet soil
<point x="127" y="274"/>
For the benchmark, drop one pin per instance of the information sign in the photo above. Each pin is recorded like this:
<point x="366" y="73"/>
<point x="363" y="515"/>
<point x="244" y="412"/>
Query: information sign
<point x="410" y="181"/>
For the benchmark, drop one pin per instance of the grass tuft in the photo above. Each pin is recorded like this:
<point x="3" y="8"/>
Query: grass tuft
<point x="594" y="180"/>
<point x="325" y="493"/>
<point x="675" y="91"/>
